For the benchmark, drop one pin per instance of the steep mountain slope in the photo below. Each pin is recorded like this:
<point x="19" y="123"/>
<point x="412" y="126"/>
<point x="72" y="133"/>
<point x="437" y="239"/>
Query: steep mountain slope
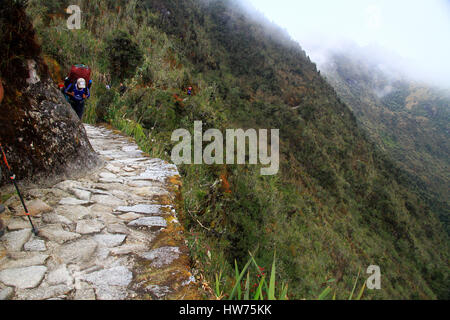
<point x="408" y="120"/>
<point x="337" y="205"/>
<point x="40" y="132"/>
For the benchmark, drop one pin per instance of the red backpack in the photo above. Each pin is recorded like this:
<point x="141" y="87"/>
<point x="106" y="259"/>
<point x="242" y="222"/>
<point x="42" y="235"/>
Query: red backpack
<point x="79" y="71"/>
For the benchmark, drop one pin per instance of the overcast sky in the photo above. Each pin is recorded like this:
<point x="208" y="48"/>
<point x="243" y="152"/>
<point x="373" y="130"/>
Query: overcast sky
<point x="417" y="30"/>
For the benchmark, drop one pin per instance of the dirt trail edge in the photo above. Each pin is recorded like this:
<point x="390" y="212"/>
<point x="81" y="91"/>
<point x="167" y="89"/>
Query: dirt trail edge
<point x="111" y="235"/>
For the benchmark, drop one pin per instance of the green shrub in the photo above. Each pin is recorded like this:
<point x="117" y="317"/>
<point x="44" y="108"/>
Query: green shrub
<point x="124" y="55"/>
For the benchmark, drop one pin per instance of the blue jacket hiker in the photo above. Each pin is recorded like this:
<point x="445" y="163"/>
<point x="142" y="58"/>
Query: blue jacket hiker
<point x="78" y="93"/>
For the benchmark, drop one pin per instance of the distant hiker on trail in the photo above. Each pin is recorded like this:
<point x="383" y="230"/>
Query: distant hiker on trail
<point x="78" y="93"/>
<point x="122" y="89"/>
<point x="77" y="87"/>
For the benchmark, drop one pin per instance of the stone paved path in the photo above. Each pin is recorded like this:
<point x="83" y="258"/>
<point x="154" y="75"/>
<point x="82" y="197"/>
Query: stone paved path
<point x="111" y="235"/>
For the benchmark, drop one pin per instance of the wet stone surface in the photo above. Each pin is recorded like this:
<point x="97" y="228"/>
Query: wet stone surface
<point x="113" y="234"/>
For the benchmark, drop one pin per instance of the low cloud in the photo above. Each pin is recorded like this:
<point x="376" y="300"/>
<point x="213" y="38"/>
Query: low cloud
<point x="411" y="34"/>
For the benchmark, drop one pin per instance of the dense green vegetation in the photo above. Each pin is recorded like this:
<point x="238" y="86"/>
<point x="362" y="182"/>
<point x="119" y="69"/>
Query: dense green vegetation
<point x="337" y="206"/>
<point x="408" y="120"/>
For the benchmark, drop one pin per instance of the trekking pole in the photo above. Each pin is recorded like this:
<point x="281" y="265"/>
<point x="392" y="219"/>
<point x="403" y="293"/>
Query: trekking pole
<point x="12" y="176"/>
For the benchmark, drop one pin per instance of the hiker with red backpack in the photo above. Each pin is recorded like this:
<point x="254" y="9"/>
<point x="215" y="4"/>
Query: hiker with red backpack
<point x="76" y="87"/>
<point x="78" y="93"/>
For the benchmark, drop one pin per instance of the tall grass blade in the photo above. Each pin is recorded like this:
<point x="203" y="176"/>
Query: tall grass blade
<point x="218" y="279"/>
<point x="324" y="294"/>
<point x="284" y="291"/>
<point x="354" y="286"/>
<point x="271" y="292"/>
<point x="258" y="294"/>
<point x="247" y="287"/>
<point x="361" y="292"/>
<point x="238" y="280"/>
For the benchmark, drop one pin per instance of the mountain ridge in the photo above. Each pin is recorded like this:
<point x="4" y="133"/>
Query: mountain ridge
<point x="406" y="119"/>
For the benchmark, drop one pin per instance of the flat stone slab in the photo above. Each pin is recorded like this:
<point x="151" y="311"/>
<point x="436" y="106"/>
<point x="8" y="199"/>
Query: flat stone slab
<point x="139" y="184"/>
<point x="107" y="175"/>
<point x="142" y="208"/>
<point x="37" y="207"/>
<point x="89" y="226"/>
<point x="24" y="259"/>
<point x="15" y="240"/>
<point x="82" y="194"/>
<point x="101" y="192"/>
<point x="119" y="228"/>
<point x="152" y="176"/>
<point x="123" y="195"/>
<point x="79" y="251"/>
<point x="72" y="202"/>
<point x="95" y="191"/>
<point x="133" y="154"/>
<point x="151" y="191"/>
<point x="108" y="218"/>
<point x="6" y="293"/>
<point x="43" y="293"/>
<point x="15" y="224"/>
<point x="68" y="185"/>
<point x="162" y="256"/>
<point x="47" y="193"/>
<point x="158" y="171"/>
<point x="35" y="245"/>
<point x="73" y="213"/>
<point x="130" y="148"/>
<point x="53" y="218"/>
<point x="100" y="209"/>
<point x="128" y="248"/>
<point x="113" y="169"/>
<point x="110" y="180"/>
<point x="57" y="233"/>
<point x="84" y="292"/>
<point x="23" y="278"/>
<point x="110" y="284"/>
<point x="110" y="240"/>
<point x="148" y="222"/>
<point x="130" y="216"/>
<point x="130" y="161"/>
<point x="116" y="276"/>
<point x="110" y="293"/>
<point x="109" y="201"/>
<point x="60" y="276"/>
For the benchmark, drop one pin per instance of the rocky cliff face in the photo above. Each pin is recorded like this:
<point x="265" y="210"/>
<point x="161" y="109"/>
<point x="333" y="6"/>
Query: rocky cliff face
<point x="39" y="131"/>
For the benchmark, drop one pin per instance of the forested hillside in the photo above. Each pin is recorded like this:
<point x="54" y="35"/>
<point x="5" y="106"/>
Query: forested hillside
<point x="338" y="203"/>
<point x="407" y="119"/>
